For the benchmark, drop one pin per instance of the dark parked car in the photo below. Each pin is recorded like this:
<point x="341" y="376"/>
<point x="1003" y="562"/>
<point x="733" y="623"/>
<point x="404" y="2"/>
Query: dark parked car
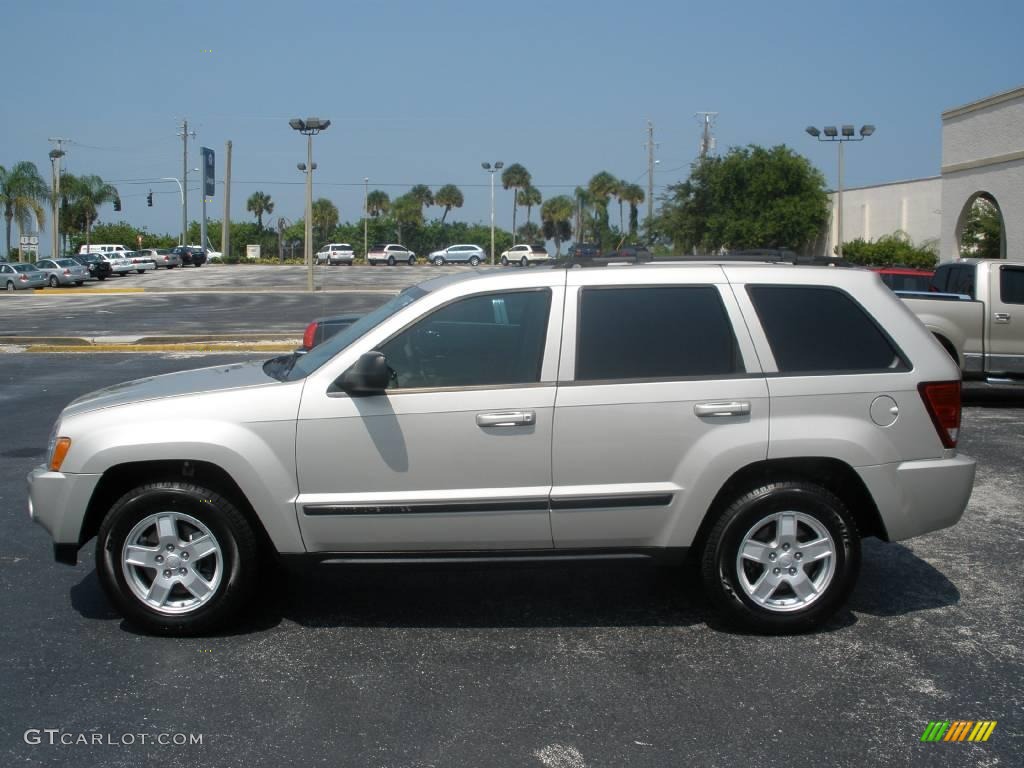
<point x="583" y="251"/>
<point x="191" y="255"/>
<point x="98" y="268"/>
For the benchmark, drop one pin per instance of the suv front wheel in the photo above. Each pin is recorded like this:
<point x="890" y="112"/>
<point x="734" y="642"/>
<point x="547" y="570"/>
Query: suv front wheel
<point x="781" y="558"/>
<point x="176" y="558"/>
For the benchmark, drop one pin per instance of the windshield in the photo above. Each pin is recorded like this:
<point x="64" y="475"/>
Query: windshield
<point x="306" y="364"/>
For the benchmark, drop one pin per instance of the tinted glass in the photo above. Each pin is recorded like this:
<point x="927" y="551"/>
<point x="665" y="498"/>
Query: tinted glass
<point x="539" y="249"/>
<point x="907" y="282"/>
<point x="654" y="333"/>
<point x="961" y="280"/>
<point x="815" y="329"/>
<point x="1011" y="285"/>
<point x="940" y="279"/>
<point x="492" y="339"/>
<point x="68" y="263"/>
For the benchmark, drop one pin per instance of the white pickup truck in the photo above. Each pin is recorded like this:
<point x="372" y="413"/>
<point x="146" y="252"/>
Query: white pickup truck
<point x="976" y="311"/>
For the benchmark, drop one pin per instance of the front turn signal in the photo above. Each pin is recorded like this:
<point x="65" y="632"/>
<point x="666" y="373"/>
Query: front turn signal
<point x="60" y="450"/>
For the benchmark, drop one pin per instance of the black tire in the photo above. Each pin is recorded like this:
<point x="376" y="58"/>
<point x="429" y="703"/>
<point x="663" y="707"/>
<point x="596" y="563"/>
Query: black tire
<point x="391" y="261"/>
<point x="524" y="262"/>
<point x="720" y="570"/>
<point x="141" y="271"/>
<point x="239" y="551"/>
<point x="53" y="281"/>
<point x="10" y="286"/>
<point x="412" y="261"/>
<point x="439" y="261"/>
<point x="504" y="261"/>
<point x="101" y="277"/>
<point x="79" y="282"/>
<point x="474" y="261"/>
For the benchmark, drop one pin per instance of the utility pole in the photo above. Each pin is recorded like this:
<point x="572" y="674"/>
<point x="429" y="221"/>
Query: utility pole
<point x="366" y="213"/>
<point x="225" y="229"/>
<point x="707" y="141"/>
<point x="55" y="155"/>
<point x="184" y="181"/>
<point x="650" y="145"/>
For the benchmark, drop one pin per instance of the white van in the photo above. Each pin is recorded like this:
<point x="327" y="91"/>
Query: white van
<point x="118" y="250"/>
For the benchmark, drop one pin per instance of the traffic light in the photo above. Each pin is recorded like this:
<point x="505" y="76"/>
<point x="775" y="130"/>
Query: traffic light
<point x="149" y="199"/>
<point x="117" y="203"/>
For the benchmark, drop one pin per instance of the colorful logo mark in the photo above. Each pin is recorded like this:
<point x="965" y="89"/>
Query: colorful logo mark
<point x="958" y="730"/>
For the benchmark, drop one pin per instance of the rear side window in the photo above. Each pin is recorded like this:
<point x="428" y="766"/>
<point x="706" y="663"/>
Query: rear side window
<point x="961" y="280"/>
<point x="820" y="330"/>
<point x="1011" y="285"/>
<point x="654" y="333"/>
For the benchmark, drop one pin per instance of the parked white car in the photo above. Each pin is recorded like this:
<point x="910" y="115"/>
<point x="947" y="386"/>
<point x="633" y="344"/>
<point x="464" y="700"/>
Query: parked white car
<point x="531" y="414"/>
<point x="335" y="254"/>
<point x="525" y="255"/>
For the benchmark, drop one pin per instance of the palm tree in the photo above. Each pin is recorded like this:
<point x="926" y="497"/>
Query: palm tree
<point x="450" y="197"/>
<point x="325" y="218"/>
<point x="634" y="195"/>
<point x="601" y="187"/>
<point x="258" y="204"/>
<point x="529" y="196"/>
<point x="22" y="192"/>
<point x="582" y="200"/>
<point x="515" y="177"/>
<point x="556" y="215"/>
<point x="530" y="233"/>
<point x="406" y="210"/>
<point x="617" y="192"/>
<point x="85" y="196"/>
<point x="377" y="202"/>
<point x="421" y="193"/>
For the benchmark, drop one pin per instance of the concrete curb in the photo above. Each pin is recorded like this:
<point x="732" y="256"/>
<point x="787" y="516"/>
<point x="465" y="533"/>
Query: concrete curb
<point x="213" y="347"/>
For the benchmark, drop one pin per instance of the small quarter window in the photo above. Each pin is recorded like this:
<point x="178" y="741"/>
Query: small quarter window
<point x="1011" y="285"/>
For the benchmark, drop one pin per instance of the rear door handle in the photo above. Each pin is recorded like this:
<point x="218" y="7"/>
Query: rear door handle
<point x="733" y="408"/>
<point x="506" y="419"/>
<point x="1001" y="317"/>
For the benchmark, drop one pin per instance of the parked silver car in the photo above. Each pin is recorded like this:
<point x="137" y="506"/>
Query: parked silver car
<point x="16" y="277"/>
<point x="63" y="272"/>
<point x="531" y="414"/>
<point x="163" y="258"/>
<point x="458" y="254"/>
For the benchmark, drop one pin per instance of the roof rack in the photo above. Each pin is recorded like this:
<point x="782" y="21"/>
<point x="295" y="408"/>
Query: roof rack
<point x="758" y="255"/>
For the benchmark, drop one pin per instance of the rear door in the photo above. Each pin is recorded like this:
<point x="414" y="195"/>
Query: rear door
<point x="660" y="399"/>
<point x="1005" y="321"/>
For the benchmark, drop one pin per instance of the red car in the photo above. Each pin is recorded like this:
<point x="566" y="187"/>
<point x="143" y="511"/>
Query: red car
<point x="905" y="278"/>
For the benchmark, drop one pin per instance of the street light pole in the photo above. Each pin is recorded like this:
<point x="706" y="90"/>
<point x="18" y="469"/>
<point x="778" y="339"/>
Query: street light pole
<point x="55" y="156"/>
<point x="366" y="213"/>
<point x="309" y="127"/>
<point x="492" y="170"/>
<point x="840" y="136"/>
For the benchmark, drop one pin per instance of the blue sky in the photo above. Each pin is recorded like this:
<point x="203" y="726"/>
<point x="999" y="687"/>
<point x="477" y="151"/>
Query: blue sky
<point x="422" y="92"/>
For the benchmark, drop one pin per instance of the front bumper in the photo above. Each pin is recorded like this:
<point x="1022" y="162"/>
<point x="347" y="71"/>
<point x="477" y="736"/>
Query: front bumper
<point x="917" y="497"/>
<point x="58" y="501"/>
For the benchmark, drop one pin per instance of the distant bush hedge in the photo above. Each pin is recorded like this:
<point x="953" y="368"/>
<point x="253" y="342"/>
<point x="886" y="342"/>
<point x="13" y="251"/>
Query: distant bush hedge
<point x="891" y="250"/>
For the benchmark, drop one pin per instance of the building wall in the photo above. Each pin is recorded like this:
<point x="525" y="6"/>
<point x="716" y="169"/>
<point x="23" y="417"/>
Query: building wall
<point x="913" y="207"/>
<point x="983" y="152"/>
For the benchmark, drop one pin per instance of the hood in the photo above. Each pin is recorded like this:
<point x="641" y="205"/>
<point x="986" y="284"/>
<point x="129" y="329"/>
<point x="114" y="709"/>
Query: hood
<point x="198" y="381"/>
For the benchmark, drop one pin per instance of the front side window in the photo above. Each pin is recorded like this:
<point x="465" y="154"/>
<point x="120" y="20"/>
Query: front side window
<point x="654" y="333"/>
<point x="818" y="329"/>
<point x="488" y="340"/>
<point x="1011" y="285"/>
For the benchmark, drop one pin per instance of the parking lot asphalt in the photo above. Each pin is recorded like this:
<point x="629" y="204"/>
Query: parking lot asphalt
<point x="559" y="666"/>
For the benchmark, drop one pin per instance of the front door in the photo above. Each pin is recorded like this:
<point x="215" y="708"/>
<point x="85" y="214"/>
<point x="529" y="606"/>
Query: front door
<point x="457" y="454"/>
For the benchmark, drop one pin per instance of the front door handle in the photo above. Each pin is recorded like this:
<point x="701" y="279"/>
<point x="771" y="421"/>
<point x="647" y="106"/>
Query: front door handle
<point x="733" y="408"/>
<point x="506" y="419"/>
<point x="1001" y="317"/>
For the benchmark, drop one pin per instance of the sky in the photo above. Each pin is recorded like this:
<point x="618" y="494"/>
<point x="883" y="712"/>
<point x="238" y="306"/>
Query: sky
<point x="423" y="92"/>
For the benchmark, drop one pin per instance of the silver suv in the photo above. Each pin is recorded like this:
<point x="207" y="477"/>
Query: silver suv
<point x="762" y="418"/>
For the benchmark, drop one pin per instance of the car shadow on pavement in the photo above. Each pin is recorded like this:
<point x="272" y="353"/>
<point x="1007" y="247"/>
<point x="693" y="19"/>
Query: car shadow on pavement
<point x="894" y="582"/>
<point x="983" y="395"/>
<point x="505" y="595"/>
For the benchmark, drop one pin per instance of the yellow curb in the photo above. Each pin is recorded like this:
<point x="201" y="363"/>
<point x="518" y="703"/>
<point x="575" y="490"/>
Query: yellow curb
<point x="272" y="347"/>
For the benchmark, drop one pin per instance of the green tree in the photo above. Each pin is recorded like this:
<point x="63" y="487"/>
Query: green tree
<point x="634" y="195"/>
<point x="983" y="231"/>
<point x="421" y="193"/>
<point x="556" y="216"/>
<point x="529" y="196"/>
<point x="259" y="203"/>
<point x="530" y="233"/>
<point x="751" y="197"/>
<point x="582" y="202"/>
<point x="22" y="193"/>
<point x="449" y="196"/>
<point x="515" y="177"/>
<point x="406" y="210"/>
<point x="377" y="203"/>
<point x="890" y="250"/>
<point x="325" y="219"/>
<point x="86" y="194"/>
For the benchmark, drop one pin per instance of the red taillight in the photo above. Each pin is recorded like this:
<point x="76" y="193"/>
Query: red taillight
<point x="67" y="271"/>
<point x="942" y="401"/>
<point x="23" y="279"/>
<point x="309" y="337"/>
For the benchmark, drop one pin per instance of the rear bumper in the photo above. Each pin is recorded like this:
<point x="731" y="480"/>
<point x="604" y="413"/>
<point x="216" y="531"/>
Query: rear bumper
<point x="58" y="501"/>
<point x="917" y="497"/>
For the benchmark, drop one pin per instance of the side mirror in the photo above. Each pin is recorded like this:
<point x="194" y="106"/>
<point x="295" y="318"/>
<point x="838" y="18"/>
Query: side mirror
<point x="369" y="375"/>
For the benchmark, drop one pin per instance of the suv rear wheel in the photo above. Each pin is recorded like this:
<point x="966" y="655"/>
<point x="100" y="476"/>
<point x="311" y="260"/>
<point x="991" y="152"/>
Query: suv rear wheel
<point x="391" y="261"/>
<point x="176" y="558"/>
<point x="781" y="558"/>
